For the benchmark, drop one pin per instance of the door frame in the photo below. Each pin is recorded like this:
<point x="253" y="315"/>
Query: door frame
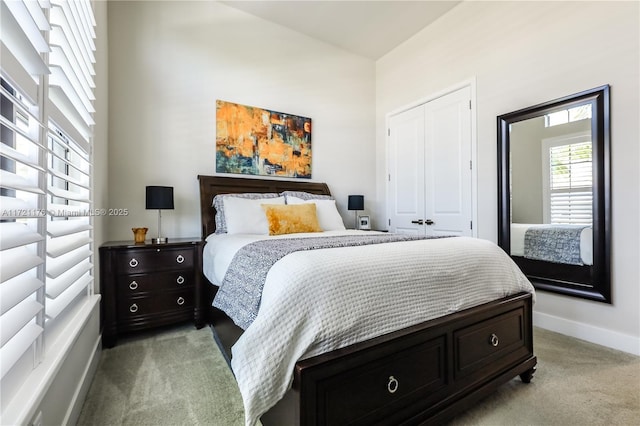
<point x="471" y="84"/>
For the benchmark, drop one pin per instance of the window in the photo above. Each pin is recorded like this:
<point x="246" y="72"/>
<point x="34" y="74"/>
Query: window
<point x="46" y="78"/>
<point x="568" y="180"/>
<point x="582" y="112"/>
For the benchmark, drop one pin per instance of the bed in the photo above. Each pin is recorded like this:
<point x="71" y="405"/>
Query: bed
<point x="568" y="244"/>
<point x="557" y="252"/>
<point x="405" y="366"/>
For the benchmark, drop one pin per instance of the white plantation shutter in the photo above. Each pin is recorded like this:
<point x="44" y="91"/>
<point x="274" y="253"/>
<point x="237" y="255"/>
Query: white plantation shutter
<point x="22" y="195"/>
<point x="569" y="181"/>
<point x="46" y="259"/>
<point x="69" y="263"/>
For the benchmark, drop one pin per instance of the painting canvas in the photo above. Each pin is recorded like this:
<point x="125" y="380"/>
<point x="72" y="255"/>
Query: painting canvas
<point x="258" y="141"/>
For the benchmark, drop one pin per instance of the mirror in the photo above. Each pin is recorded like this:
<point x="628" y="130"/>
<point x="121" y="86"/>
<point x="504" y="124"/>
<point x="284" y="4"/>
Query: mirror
<point x="554" y="211"/>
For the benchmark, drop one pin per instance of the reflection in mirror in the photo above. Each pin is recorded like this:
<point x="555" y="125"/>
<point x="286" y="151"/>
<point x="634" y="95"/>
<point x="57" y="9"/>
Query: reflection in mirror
<point x="554" y="193"/>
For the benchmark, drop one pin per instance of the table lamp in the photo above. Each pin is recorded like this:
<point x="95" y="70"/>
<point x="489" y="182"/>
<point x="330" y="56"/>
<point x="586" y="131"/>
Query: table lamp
<point x="161" y="198"/>
<point x="356" y="202"/>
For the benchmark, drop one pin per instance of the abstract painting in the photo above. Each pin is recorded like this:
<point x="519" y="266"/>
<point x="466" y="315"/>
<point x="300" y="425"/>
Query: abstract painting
<point x="258" y="141"/>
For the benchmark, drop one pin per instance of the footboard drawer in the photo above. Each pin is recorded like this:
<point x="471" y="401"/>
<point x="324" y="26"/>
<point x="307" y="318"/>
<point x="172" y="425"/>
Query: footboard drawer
<point x="368" y="392"/>
<point x="490" y="344"/>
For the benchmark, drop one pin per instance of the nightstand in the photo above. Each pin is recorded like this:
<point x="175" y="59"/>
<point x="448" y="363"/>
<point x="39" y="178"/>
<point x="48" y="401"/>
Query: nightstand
<point x="147" y="285"/>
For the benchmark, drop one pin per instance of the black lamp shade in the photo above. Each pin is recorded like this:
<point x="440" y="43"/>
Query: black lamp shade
<point x="356" y="202"/>
<point x="159" y="197"/>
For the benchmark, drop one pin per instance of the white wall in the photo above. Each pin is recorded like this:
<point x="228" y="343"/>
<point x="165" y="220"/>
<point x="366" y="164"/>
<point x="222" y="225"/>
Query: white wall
<point x="522" y="54"/>
<point x="168" y="63"/>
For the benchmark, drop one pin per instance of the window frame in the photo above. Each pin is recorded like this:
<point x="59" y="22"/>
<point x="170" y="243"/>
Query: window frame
<point x="547" y="192"/>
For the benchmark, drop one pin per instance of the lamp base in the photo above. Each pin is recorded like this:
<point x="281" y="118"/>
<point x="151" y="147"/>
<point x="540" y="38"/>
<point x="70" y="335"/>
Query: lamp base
<point x="159" y="240"/>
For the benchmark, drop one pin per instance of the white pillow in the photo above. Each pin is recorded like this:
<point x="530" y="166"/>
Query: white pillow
<point x="327" y="212"/>
<point x="218" y="204"/>
<point x="245" y="216"/>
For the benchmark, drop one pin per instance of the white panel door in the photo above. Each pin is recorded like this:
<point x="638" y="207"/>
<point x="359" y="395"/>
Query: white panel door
<point x="406" y="171"/>
<point x="429" y="181"/>
<point x="448" y="165"/>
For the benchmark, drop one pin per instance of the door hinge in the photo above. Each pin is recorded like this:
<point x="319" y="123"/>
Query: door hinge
<point x="389" y="177"/>
<point x="389" y="222"/>
<point x="388" y="132"/>
<point x="469" y="103"/>
<point x="470" y="164"/>
<point x="471" y="225"/>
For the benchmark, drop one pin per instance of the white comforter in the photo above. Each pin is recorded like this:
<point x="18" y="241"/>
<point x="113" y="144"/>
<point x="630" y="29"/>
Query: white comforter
<point x="317" y="301"/>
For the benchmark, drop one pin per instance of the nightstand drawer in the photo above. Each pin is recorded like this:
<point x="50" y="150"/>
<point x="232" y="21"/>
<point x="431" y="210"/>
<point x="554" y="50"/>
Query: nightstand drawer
<point x="157" y="259"/>
<point x="135" y="284"/>
<point x="490" y="344"/>
<point x="156" y="304"/>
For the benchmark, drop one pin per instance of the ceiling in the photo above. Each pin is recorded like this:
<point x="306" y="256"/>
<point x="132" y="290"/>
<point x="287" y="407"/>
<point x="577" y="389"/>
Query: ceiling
<point x="370" y="28"/>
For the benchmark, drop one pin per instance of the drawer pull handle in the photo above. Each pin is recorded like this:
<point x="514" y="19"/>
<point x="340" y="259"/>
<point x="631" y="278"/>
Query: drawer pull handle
<point x="133" y="308"/>
<point x="133" y="285"/>
<point x="133" y="262"/>
<point x="180" y="258"/>
<point x="180" y="301"/>
<point x="392" y="386"/>
<point x="494" y="340"/>
<point x="180" y="279"/>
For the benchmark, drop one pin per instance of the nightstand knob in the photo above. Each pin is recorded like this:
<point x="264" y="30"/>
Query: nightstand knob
<point x="180" y="279"/>
<point x="180" y="258"/>
<point x="133" y="262"/>
<point x="133" y="285"/>
<point x="133" y="308"/>
<point x="180" y="301"/>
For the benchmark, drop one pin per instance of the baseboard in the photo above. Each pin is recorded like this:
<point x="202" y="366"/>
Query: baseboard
<point x="597" y="335"/>
<point x="75" y="407"/>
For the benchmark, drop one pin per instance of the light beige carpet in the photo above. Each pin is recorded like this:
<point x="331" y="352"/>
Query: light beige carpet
<point x="173" y="377"/>
<point x="178" y="377"/>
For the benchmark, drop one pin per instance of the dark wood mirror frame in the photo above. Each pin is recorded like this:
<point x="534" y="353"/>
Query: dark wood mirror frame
<point x="588" y="282"/>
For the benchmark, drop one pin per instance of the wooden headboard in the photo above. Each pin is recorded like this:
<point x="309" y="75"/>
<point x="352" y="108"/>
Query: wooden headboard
<point x="210" y="186"/>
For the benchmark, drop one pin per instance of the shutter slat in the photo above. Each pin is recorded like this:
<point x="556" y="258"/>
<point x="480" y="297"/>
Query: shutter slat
<point x="55" y="306"/>
<point x="11" y="352"/>
<point x="68" y="195"/>
<point x="17" y="261"/>
<point x="9" y="152"/>
<point x="59" y="246"/>
<point x="59" y="228"/>
<point x="16" y="290"/>
<point x="59" y="265"/>
<point x="56" y="286"/>
<point x="15" y="234"/>
<point x="13" y="181"/>
<point x="14" y="320"/>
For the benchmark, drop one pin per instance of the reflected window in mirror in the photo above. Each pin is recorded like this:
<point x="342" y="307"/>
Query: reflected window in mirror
<point x="554" y="193"/>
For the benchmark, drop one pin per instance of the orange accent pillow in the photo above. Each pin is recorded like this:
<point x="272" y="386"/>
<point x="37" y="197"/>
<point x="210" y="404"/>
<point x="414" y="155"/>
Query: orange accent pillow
<point x="291" y="219"/>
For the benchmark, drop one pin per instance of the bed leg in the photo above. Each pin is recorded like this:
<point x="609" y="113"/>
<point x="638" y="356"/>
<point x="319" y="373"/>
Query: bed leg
<point x="528" y="375"/>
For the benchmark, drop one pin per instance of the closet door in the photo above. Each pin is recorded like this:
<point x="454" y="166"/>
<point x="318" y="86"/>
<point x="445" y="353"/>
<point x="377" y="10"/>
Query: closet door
<point x="405" y="183"/>
<point x="448" y="165"/>
<point x="429" y="181"/>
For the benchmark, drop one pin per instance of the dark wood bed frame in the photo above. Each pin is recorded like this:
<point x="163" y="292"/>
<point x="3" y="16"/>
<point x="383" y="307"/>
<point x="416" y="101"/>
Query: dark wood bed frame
<point x="424" y="374"/>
